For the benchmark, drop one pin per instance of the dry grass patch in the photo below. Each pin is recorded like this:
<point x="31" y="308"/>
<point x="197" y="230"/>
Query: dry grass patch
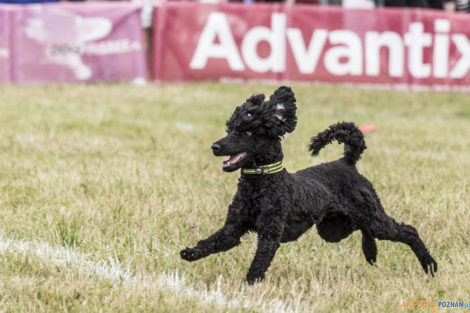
<point x="126" y="172"/>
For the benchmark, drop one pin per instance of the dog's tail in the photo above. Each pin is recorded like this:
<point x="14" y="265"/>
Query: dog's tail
<point x="343" y="132"/>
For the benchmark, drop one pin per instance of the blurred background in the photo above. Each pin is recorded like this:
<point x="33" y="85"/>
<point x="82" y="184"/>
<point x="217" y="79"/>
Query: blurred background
<point x="386" y="43"/>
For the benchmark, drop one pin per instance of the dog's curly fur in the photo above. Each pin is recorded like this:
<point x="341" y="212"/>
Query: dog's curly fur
<point x="282" y="206"/>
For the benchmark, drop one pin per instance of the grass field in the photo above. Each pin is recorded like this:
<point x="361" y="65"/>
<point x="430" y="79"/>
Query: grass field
<point x="102" y="185"/>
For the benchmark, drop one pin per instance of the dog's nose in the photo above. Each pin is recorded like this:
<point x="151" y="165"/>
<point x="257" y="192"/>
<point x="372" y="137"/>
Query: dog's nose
<point x="215" y="147"/>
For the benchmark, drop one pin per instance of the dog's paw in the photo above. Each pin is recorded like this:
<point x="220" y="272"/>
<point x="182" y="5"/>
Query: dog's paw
<point x="253" y="279"/>
<point x="429" y="265"/>
<point x="190" y="254"/>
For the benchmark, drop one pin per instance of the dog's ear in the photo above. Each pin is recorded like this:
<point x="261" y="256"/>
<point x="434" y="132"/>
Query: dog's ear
<point x="282" y="106"/>
<point x="256" y="99"/>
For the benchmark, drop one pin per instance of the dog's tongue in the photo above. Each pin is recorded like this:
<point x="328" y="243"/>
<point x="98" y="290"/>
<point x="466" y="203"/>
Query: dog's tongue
<point x="233" y="159"/>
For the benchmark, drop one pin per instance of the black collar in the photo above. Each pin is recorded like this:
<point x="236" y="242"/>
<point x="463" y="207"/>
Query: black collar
<point x="264" y="169"/>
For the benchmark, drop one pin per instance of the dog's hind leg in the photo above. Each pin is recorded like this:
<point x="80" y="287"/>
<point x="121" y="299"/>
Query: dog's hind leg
<point x="369" y="247"/>
<point x="386" y="228"/>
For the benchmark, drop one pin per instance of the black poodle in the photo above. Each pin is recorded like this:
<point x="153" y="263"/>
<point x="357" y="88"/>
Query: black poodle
<point x="280" y="206"/>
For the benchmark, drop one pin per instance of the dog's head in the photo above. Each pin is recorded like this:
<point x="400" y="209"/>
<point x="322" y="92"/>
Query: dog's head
<point x="255" y="129"/>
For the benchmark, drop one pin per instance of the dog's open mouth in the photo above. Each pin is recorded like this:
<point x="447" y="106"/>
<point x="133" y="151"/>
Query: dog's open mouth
<point x="234" y="159"/>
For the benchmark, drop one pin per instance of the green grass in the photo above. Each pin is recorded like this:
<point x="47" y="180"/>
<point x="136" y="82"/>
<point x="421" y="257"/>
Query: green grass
<point x="126" y="172"/>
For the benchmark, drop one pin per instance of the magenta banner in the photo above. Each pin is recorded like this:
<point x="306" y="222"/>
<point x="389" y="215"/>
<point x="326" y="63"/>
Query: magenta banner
<point x="73" y="42"/>
<point x="5" y="47"/>
<point x="397" y="48"/>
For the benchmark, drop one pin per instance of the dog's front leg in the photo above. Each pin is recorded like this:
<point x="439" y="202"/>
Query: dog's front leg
<point x="224" y="239"/>
<point x="269" y="238"/>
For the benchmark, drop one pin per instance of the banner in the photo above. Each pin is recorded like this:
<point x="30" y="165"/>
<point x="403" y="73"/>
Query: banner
<point x="194" y="41"/>
<point x="5" y="46"/>
<point x="70" y="42"/>
<point x="398" y="48"/>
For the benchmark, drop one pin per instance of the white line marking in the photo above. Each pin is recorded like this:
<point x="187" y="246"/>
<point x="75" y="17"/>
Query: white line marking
<point x="66" y="257"/>
<point x="113" y="270"/>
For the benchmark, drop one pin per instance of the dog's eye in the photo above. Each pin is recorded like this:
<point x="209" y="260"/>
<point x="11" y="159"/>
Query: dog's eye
<point x="249" y="114"/>
<point x="248" y="133"/>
